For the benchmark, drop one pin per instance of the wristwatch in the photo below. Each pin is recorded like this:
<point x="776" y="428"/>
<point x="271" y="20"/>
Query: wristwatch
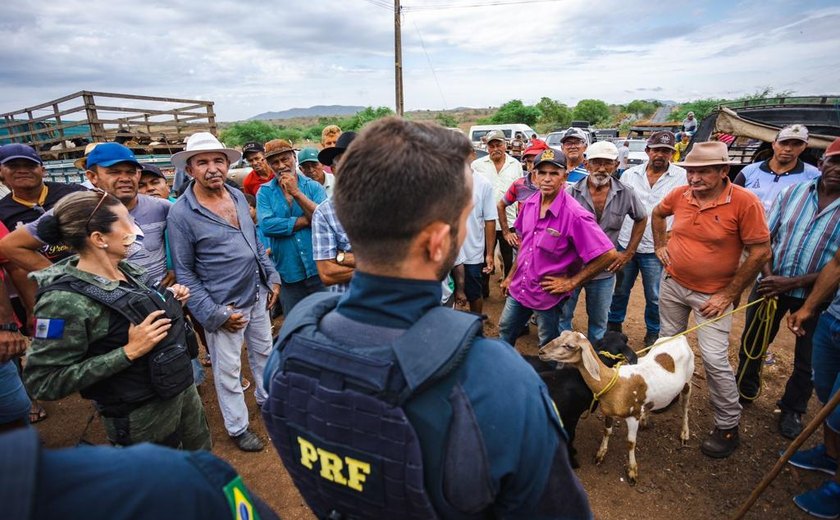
<point x="11" y="327"/>
<point x="339" y="258"/>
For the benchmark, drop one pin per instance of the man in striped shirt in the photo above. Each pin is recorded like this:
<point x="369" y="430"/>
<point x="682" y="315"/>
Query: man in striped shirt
<point x="804" y="225"/>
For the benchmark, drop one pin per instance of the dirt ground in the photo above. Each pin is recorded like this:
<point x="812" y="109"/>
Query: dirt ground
<point x="674" y="482"/>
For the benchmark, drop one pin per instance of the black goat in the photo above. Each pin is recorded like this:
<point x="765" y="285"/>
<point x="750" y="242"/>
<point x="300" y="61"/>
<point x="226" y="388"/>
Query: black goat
<point x="568" y="389"/>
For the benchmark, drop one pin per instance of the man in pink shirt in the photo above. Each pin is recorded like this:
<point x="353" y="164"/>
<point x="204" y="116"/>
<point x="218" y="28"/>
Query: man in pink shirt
<point x="562" y="248"/>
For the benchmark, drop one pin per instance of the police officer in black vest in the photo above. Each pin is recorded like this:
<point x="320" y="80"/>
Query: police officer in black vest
<point x="101" y="331"/>
<point x="382" y="404"/>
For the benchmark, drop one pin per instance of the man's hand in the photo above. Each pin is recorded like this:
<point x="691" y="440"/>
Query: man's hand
<point x="662" y="255"/>
<point x="272" y="298"/>
<point x="289" y="183"/>
<point x="488" y="264"/>
<point x="716" y="305"/>
<point x="620" y="261"/>
<point x="504" y="285"/>
<point x="235" y="322"/>
<point x="511" y="238"/>
<point x="12" y="345"/>
<point x="461" y="299"/>
<point x="557" y="284"/>
<point x="775" y="285"/>
<point x="796" y="321"/>
<point x="168" y="280"/>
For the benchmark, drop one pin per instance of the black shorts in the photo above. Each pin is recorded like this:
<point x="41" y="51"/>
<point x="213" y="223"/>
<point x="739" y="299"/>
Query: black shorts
<point x="472" y="281"/>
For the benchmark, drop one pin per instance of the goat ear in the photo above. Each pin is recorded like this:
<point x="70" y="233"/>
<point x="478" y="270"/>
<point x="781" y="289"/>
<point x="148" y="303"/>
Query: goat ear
<point x="590" y="363"/>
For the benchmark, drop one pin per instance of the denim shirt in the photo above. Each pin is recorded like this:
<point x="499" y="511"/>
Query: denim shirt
<point x="222" y="265"/>
<point x="291" y="249"/>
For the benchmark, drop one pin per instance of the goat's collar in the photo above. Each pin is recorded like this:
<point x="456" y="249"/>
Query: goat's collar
<point x="610" y="385"/>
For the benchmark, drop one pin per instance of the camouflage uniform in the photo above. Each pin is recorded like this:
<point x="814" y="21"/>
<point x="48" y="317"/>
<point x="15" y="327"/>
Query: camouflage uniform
<point x="59" y="363"/>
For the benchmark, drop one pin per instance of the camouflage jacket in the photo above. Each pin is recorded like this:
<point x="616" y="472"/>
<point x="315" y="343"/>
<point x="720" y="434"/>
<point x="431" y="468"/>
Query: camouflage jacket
<point x="66" y="323"/>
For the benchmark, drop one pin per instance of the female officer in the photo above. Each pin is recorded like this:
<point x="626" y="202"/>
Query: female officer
<point x="100" y="331"/>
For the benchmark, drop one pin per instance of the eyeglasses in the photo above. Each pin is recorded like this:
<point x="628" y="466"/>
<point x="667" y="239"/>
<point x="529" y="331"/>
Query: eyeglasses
<point x="98" y="204"/>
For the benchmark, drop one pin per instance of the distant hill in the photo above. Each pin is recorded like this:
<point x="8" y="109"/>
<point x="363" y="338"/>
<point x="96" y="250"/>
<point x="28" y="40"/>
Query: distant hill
<point x="316" y="111"/>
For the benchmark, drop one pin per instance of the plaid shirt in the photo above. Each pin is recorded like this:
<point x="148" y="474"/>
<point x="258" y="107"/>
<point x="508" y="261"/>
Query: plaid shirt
<point x="803" y="238"/>
<point x="328" y="237"/>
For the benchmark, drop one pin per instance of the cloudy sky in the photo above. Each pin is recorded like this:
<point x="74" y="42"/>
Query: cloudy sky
<point x="256" y="56"/>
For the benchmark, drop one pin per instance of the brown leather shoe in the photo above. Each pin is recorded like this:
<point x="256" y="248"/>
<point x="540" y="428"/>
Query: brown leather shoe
<point x="721" y="443"/>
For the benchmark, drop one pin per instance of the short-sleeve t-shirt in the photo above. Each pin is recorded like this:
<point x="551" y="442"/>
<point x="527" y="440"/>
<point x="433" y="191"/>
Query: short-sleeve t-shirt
<point x="706" y="244"/>
<point x="13" y="214"/>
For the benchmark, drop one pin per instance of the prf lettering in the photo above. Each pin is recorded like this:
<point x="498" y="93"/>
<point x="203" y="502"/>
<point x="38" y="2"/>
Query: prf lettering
<point x="332" y="466"/>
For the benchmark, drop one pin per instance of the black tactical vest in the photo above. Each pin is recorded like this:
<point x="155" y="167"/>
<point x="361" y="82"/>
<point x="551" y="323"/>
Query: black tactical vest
<point x="337" y="418"/>
<point x="164" y="372"/>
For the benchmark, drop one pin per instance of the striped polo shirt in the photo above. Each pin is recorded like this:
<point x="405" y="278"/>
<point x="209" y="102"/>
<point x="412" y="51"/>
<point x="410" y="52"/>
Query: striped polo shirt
<point x="803" y="238"/>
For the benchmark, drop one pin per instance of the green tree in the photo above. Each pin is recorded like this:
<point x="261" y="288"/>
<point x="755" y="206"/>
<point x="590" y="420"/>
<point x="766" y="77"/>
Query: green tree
<point x="514" y="111"/>
<point x="447" y="120"/>
<point x="363" y="117"/>
<point x="700" y="107"/>
<point x="240" y="133"/>
<point x="593" y="110"/>
<point x="553" y="114"/>
<point x="642" y="107"/>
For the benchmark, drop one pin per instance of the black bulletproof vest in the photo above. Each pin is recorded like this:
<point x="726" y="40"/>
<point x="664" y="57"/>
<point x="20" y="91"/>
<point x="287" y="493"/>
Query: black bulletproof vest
<point x="337" y="420"/>
<point x="164" y="372"/>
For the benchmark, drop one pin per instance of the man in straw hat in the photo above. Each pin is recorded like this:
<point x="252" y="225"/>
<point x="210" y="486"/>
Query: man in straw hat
<point x="233" y="284"/>
<point x="714" y="221"/>
<point x="284" y="211"/>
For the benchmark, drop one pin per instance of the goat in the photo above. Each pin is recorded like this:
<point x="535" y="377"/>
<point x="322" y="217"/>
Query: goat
<point x="629" y="392"/>
<point x="567" y="388"/>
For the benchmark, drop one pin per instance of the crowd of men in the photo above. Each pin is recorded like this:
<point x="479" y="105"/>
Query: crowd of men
<point x="564" y="221"/>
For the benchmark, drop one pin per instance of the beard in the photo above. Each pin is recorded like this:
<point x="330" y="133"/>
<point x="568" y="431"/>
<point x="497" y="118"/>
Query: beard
<point x="449" y="261"/>
<point x="599" y="179"/>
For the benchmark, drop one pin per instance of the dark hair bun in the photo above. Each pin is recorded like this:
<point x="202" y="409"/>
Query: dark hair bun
<point x="48" y="230"/>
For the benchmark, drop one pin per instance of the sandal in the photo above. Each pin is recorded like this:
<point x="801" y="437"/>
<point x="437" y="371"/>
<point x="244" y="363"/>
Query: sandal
<point x="205" y="361"/>
<point x="37" y="413"/>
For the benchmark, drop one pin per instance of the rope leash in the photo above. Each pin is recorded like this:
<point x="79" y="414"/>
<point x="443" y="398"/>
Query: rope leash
<point x="763" y="323"/>
<point x="606" y="389"/>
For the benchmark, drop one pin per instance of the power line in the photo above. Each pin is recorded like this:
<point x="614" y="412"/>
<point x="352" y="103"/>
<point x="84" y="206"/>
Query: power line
<point x="429" y="59"/>
<point x="382" y="4"/>
<point x="440" y="7"/>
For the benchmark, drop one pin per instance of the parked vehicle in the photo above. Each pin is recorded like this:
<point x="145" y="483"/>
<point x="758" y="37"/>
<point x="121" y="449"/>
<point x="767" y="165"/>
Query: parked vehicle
<point x="637" y="153"/>
<point x="553" y="139"/>
<point x="479" y="131"/>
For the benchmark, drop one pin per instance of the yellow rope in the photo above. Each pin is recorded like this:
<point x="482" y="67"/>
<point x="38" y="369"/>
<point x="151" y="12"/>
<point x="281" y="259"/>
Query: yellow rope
<point x="606" y="389"/>
<point x="701" y="325"/>
<point x="610" y="355"/>
<point x="764" y="322"/>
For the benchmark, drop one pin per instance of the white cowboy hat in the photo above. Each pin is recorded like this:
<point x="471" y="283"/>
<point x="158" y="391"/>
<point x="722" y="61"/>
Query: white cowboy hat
<point x="202" y="142"/>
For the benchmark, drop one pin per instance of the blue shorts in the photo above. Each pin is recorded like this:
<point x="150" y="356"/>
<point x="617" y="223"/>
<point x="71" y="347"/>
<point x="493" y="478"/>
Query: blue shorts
<point x="472" y="281"/>
<point x="825" y="363"/>
<point x="14" y="403"/>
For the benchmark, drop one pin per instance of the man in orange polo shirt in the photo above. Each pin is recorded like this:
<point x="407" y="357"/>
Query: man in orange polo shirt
<point x="714" y="221"/>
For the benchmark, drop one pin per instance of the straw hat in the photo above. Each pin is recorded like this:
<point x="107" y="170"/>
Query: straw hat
<point x="710" y="153"/>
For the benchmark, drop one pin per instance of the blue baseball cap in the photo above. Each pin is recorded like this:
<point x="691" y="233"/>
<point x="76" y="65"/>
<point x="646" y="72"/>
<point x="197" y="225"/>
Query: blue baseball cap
<point x="109" y="154"/>
<point x="10" y="152"/>
<point x="308" y="155"/>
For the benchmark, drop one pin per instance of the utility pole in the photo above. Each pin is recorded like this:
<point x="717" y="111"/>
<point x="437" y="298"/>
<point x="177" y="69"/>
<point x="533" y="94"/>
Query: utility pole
<point x="398" y="82"/>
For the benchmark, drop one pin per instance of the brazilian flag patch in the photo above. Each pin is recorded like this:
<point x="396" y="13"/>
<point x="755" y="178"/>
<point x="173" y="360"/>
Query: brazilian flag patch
<point x="239" y="500"/>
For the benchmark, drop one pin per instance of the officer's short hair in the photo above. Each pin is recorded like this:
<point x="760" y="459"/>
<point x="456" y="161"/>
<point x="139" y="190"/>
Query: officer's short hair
<point x="396" y="178"/>
<point x="76" y="216"/>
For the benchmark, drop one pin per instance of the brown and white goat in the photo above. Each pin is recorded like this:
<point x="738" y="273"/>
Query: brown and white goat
<point x="652" y="384"/>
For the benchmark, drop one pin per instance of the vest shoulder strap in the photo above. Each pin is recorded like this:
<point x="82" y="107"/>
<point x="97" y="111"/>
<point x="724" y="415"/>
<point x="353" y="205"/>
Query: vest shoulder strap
<point x="116" y="299"/>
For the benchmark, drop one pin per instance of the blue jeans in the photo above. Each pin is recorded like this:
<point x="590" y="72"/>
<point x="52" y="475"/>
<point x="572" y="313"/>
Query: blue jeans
<point x="515" y="316"/>
<point x="825" y="360"/>
<point x="651" y="269"/>
<point x="598" y="296"/>
<point x="292" y="293"/>
<point x="14" y="403"/>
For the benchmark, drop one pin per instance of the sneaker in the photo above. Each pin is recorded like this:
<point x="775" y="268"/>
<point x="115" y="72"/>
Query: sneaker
<point x="790" y="424"/>
<point x="721" y="443"/>
<point x="248" y="441"/>
<point x="246" y="384"/>
<point x="823" y="502"/>
<point x="650" y="338"/>
<point x="814" y="459"/>
<point x="614" y="326"/>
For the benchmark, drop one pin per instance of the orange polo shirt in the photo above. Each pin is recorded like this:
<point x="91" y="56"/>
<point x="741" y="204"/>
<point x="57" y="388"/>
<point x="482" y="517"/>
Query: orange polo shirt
<point x="706" y="244"/>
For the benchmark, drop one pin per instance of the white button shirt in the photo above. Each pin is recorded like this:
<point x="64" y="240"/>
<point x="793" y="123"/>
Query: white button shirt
<point x="501" y="180"/>
<point x="636" y="177"/>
